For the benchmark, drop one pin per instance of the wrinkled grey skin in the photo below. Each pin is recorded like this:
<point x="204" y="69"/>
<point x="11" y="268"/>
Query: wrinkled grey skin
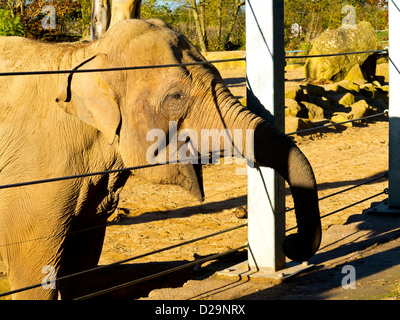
<point x="58" y="125"/>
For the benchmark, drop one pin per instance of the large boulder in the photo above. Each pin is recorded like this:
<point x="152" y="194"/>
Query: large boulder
<point x="361" y="37"/>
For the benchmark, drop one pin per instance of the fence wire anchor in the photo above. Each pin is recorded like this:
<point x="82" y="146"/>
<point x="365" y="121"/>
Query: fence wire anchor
<point x="383" y="207"/>
<point x="243" y="271"/>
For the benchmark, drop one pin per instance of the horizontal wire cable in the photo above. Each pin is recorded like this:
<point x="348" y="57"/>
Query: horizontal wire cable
<point x="125" y="260"/>
<point x="166" y="163"/>
<point x="347" y="207"/>
<point x="159" y="274"/>
<point x="347" y="189"/>
<point x="162" y="273"/>
<point x="47" y="72"/>
<point x="158" y="164"/>
<point x="335" y="54"/>
<point x="84" y="175"/>
<point x="339" y="123"/>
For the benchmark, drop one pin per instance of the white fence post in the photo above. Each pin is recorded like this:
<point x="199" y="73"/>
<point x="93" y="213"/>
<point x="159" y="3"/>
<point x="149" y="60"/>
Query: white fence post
<point x="265" y="60"/>
<point x="394" y="107"/>
<point x="265" y="92"/>
<point x="392" y="204"/>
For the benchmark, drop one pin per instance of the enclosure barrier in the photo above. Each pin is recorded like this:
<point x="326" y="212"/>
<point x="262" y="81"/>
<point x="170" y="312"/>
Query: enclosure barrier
<point x="215" y="256"/>
<point x="187" y="265"/>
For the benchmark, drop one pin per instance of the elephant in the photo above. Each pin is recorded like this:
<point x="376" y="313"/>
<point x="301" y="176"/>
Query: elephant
<point x="54" y="125"/>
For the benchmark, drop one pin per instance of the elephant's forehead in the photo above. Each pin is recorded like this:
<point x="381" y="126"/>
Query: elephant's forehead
<point x="154" y="48"/>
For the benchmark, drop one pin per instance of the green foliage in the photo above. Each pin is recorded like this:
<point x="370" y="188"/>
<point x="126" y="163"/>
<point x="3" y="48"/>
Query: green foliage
<point x="10" y="25"/>
<point x="225" y="29"/>
<point x="316" y="16"/>
<point x="153" y="9"/>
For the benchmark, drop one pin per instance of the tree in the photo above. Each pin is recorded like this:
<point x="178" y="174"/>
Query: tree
<point x="10" y="25"/>
<point x="215" y="21"/>
<point x="125" y="9"/>
<point x="33" y="17"/>
<point x="199" y="14"/>
<point x="101" y="16"/>
<point x="315" y="16"/>
<point x="106" y="14"/>
<point x="238" y="4"/>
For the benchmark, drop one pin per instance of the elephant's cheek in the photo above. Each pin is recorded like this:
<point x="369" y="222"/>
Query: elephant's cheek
<point x="132" y="156"/>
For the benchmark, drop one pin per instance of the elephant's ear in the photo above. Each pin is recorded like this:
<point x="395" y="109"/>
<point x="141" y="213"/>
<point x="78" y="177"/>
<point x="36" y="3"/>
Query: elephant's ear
<point x="88" y="96"/>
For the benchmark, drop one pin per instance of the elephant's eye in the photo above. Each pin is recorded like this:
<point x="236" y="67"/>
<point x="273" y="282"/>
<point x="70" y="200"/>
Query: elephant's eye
<point x="173" y="97"/>
<point x="177" y="96"/>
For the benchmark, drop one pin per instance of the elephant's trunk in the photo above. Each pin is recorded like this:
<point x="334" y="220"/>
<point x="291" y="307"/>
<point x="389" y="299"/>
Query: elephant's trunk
<point x="274" y="149"/>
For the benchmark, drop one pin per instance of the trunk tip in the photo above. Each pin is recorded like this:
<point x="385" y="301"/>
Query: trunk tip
<point x="297" y="248"/>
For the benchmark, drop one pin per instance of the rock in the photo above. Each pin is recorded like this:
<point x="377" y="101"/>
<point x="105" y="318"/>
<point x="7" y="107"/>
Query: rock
<point x="347" y="100"/>
<point x="342" y="117"/>
<point x="314" y="112"/>
<point x="314" y="90"/>
<point x="295" y="93"/>
<point x="385" y="88"/>
<point x="376" y="83"/>
<point x="356" y="74"/>
<point x="379" y="104"/>
<point x="346" y="86"/>
<point x="293" y="67"/>
<point x="361" y="109"/>
<point x="368" y="90"/>
<point x="382" y="94"/>
<point x="292" y="108"/>
<point x="382" y="70"/>
<point x="322" y="102"/>
<point x="360" y="38"/>
<point x="294" y="124"/>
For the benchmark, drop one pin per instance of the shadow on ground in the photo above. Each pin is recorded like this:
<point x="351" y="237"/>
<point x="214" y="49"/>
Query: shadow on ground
<point x="366" y="242"/>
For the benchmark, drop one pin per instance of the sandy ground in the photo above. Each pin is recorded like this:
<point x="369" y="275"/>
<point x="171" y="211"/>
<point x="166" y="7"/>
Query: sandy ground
<point x="153" y="217"/>
<point x="159" y="216"/>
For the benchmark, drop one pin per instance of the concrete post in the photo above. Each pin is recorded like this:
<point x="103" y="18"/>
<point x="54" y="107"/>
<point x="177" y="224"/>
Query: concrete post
<point x="265" y="96"/>
<point x="394" y="107"/>
<point x="392" y="204"/>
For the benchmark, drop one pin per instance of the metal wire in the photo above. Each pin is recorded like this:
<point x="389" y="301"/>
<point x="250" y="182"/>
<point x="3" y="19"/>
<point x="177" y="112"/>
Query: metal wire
<point x="348" y="189"/>
<point x="20" y="184"/>
<point x="339" y="123"/>
<point x="125" y="260"/>
<point x="213" y="257"/>
<point x="47" y="72"/>
<point x="347" y="207"/>
<point x="162" y="273"/>
<point x="336" y="54"/>
<point x="83" y="175"/>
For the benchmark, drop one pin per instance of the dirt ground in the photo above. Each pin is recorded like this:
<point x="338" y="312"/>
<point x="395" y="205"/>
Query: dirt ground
<point x="153" y="217"/>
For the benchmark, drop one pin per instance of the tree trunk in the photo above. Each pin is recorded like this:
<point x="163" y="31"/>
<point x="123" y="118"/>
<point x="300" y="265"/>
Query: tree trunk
<point x="101" y="16"/>
<point x="238" y="4"/>
<point x="125" y="10"/>
<point x="198" y="12"/>
<point x="219" y="16"/>
<point x="105" y="16"/>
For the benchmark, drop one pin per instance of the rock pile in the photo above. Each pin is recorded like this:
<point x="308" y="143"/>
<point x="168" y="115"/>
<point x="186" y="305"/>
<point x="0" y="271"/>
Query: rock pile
<point x="307" y="103"/>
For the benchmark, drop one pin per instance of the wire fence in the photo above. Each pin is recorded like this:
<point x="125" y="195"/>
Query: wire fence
<point x="196" y="262"/>
<point x="383" y="52"/>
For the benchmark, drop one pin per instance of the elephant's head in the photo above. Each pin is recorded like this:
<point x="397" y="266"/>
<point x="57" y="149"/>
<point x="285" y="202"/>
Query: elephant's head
<point x="128" y="105"/>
